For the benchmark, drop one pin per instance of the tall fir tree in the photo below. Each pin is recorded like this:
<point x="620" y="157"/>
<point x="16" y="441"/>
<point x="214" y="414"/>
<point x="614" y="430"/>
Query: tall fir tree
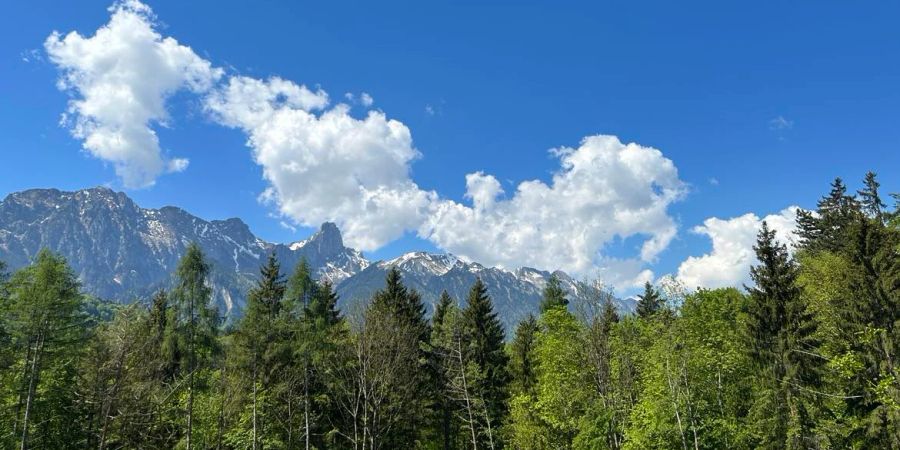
<point x="256" y="344"/>
<point x="784" y="348"/>
<point x="485" y="338"/>
<point x="871" y="319"/>
<point x="826" y="228"/>
<point x="196" y="325"/>
<point x="407" y="307"/>
<point x="650" y="302"/>
<point x="554" y="295"/>
<point x="44" y="323"/>
<point x="870" y="199"/>
<point x="521" y="362"/>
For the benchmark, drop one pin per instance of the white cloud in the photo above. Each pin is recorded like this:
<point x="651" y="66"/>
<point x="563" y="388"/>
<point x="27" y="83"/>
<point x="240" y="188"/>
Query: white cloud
<point x="604" y="189"/>
<point x="780" y="123"/>
<point x="121" y="77"/>
<point x="324" y="164"/>
<point x="728" y="264"/>
<point x="366" y="99"/>
<point x="327" y="166"/>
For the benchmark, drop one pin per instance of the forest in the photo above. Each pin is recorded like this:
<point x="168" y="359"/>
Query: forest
<point x="804" y="357"/>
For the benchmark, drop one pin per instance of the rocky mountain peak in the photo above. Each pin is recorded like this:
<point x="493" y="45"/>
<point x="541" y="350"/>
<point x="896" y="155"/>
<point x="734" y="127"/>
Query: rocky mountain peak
<point x="327" y="240"/>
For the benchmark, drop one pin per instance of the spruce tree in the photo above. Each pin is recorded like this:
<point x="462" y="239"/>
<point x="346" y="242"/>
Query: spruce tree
<point x="827" y="228"/>
<point x="521" y="362"/>
<point x="256" y="341"/>
<point x="783" y="346"/>
<point x="649" y="303"/>
<point x="554" y="295"/>
<point x="445" y="302"/>
<point x="870" y="320"/>
<point x="196" y="324"/>
<point x="442" y="333"/>
<point x="869" y="198"/>
<point x="406" y="306"/>
<point x="43" y="318"/>
<point x="485" y="338"/>
<point x="300" y="288"/>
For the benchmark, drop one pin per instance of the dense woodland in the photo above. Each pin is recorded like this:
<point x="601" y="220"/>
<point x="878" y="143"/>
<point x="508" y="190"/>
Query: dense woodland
<point x="806" y="357"/>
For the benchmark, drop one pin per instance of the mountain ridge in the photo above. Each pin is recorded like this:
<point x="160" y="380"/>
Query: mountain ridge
<point x="124" y="252"/>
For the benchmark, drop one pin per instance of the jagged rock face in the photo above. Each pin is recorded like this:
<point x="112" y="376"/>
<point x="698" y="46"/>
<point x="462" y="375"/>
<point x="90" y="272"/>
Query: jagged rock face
<point x="123" y="252"/>
<point x="514" y="293"/>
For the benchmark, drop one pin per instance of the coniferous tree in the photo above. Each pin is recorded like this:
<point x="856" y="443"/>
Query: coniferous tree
<point x="485" y="338"/>
<point x="871" y="319"/>
<point x="44" y="324"/>
<point x="869" y="198"/>
<point x="554" y="295"/>
<point x="442" y="346"/>
<point x="827" y="228"/>
<point x="407" y="307"/>
<point x="650" y="302"/>
<point x="256" y="341"/>
<point x="521" y="361"/>
<point x="783" y="348"/>
<point x="195" y="324"/>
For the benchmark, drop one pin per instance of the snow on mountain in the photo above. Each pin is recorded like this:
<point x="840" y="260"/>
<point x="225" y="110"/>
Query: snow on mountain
<point x="124" y="252"/>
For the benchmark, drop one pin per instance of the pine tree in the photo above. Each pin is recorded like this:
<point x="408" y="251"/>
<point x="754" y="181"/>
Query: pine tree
<point x="255" y="341"/>
<point x="300" y="288"/>
<point x="554" y="295"/>
<point x="443" y="330"/>
<point x="870" y="320"/>
<point x="445" y="302"/>
<point x="406" y="306"/>
<point x="826" y="229"/>
<point x="783" y="347"/>
<point x="869" y="198"/>
<point x="45" y="326"/>
<point x="521" y="361"/>
<point x="484" y="336"/>
<point x="196" y="323"/>
<point x="649" y="303"/>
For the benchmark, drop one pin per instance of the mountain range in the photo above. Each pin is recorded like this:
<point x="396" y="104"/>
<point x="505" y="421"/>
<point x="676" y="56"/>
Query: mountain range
<point x="124" y="253"/>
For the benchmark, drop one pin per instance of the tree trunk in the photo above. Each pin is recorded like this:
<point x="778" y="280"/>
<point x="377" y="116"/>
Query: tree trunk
<point x="32" y="382"/>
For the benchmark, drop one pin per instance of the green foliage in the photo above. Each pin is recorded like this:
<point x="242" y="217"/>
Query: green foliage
<point x="650" y="302"/>
<point x="807" y="358"/>
<point x="554" y="295"/>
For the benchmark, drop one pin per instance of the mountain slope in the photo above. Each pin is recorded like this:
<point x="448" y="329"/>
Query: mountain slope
<point x="514" y="293"/>
<point x="123" y="252"/>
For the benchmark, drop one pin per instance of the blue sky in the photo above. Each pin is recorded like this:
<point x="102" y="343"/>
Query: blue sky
<point x="758" y="105"/>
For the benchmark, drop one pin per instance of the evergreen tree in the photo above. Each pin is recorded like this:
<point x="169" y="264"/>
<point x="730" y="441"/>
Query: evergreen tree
<point x="195" y="324"/>
<point x="484" y="336"/>
<point x="300" y="288"/>
<point x="869" y="198"/>
<point x="870" y="321"/>
<point x="521" y="362"/>
<point x="256" y="341"/>
<point x="445" y="302"/>
<point x="827" y="228"/>
<point x="650" y="302"/>
<point x="554" y="295"/>
<point x="783" y="348"/>
<point x="44" y="323"/>
<point x="406" y="306"/>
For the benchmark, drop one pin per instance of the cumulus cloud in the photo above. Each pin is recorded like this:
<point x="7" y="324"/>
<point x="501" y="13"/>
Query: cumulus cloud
<point x="366" y="99"/>
<point x="728" y="264"/>
<point x="324" y="164"/>
<point x="120" y="79"/>
<point x="603" y="189"/>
